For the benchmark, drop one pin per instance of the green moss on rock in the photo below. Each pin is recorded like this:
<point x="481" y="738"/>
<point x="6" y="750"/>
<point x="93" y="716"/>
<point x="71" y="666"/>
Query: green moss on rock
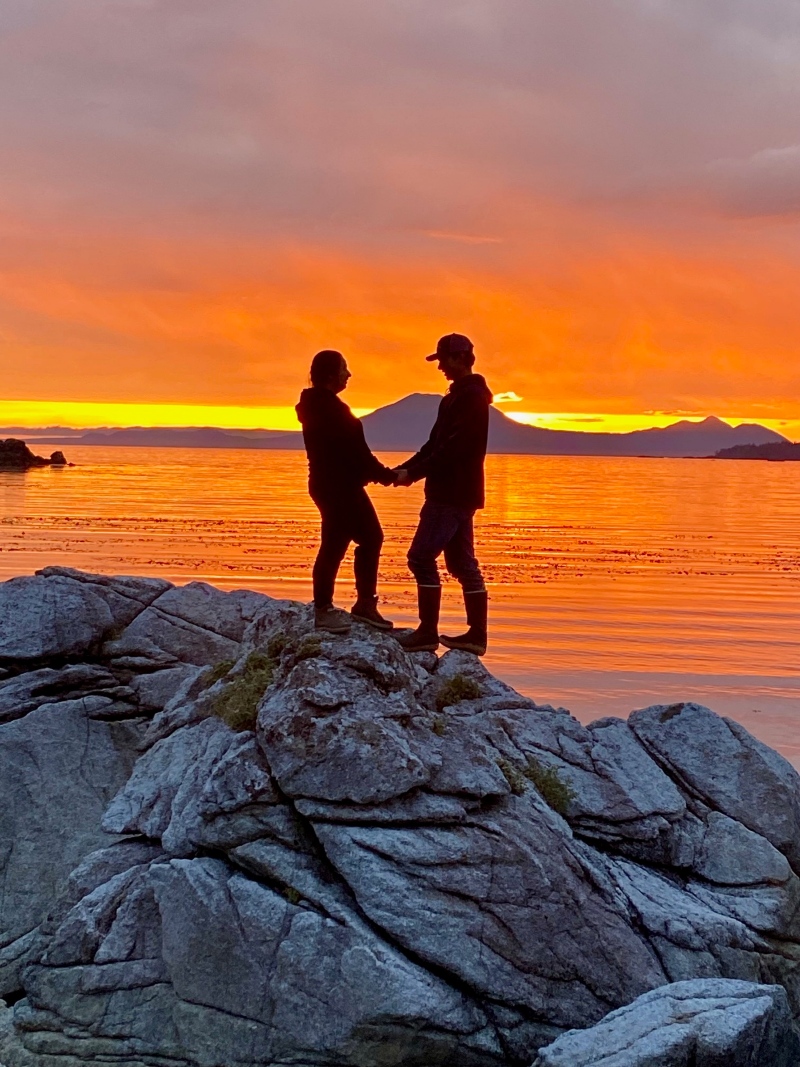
<point x="455" y="689"/>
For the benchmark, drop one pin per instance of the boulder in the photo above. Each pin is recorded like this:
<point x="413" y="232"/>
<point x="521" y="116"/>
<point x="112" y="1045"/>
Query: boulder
<point x="60" y="614"/>
<point x="59" y="769"/>
<point x="231" y="841"/>
<point x="6" y="1030"/>
<point x="720" y="763"/>
<point x="16" y="456"/>
<point x="193" y="624"/>
<point x="700" y="1023"/>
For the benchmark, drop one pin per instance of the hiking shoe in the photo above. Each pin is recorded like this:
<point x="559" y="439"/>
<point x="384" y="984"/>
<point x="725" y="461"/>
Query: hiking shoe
<point x="366" y="610"/>
<point x="468" y="642"/>
<point x="419" y="640"/>
<point x="332" y="620"/>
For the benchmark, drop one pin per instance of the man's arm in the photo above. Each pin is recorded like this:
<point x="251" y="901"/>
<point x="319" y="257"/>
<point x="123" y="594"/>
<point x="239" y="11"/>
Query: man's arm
<point x="448" y="438"/>
<point x="417" y="465"/>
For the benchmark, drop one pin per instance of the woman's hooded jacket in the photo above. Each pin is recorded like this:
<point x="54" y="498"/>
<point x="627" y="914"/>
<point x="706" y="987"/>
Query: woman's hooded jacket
<point x="339" y="458"/>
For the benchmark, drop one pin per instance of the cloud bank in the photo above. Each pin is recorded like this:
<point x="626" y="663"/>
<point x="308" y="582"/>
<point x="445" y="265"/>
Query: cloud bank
<point x="196" y="196"/>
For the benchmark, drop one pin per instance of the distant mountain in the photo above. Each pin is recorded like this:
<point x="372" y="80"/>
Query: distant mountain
<point x="180" y="437"/>
<point x="40" y="431"/>
<point x="405" y="425"/>
<point x="779" y="452"/>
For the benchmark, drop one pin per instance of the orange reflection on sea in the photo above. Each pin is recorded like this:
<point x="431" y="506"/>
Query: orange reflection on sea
<point x="615" y="583"/>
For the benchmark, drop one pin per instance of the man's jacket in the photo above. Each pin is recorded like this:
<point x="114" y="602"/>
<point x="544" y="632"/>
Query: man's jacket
<point x="451" y="460"/>
<point x="339" y="458"/>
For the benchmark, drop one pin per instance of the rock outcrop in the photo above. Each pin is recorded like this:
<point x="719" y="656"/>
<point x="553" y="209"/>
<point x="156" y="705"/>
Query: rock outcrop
<point x="16" y="456"/>
<point x="227" y="841"/>
<point x="702" y="1023"/>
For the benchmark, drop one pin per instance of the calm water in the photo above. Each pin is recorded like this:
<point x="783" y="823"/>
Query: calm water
<point x="615" y="583"/>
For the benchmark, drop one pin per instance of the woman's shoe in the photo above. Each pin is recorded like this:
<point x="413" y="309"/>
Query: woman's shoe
<point x="332" y="620"/>
<point x="365" y="610"/>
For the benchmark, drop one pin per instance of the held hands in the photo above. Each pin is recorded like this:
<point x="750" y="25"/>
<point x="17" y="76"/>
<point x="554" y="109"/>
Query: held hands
<point x="401" y="477"/>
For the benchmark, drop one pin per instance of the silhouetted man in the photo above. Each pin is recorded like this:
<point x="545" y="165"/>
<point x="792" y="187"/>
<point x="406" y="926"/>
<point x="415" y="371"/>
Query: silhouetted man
<point x="451" y="462"/>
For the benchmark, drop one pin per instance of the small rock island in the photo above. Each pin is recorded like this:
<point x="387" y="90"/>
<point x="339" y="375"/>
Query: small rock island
<point x="16" y="456"/>
<point x="229" y="841"/>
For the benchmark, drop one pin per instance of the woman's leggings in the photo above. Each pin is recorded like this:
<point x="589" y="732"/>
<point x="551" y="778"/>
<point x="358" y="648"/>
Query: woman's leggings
<point x="345" y="518"/>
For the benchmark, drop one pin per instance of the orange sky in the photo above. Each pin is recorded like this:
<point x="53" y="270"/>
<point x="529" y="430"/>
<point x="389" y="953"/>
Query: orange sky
<point x="193" y="201"/>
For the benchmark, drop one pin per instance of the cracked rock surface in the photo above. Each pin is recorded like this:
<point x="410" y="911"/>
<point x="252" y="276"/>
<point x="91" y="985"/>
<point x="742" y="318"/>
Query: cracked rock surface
<point x="697" y="1023"/>
<point x="228" y="841"/>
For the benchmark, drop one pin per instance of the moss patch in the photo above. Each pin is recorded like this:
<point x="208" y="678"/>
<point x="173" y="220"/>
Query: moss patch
<point x="456" y="689"/>
<point x="517" y="782"/>
<point x="309" y="647"/>
<point x="237" y="704"/>
<point x="218" y="671"/>
<point x="555" y="792"/>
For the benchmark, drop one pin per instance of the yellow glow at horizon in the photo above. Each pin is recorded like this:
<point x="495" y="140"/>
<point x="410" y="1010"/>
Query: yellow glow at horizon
<point x="88" y="414"/>
<point x="597" y="423"/>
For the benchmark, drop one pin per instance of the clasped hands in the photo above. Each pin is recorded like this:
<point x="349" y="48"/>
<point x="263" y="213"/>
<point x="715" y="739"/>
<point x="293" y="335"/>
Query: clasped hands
<point x="401" y="476"/>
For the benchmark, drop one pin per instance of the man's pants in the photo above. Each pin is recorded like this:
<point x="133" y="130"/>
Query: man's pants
<point x="444" y="528"/>
<point x="350" y="517"/>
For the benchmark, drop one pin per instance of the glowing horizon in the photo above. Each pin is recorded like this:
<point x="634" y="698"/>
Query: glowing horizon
<point x="230" y="191"/>
<point x="87" y="415"/>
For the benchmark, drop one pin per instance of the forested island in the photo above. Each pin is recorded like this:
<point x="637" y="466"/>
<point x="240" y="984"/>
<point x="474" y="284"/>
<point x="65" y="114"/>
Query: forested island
<point x="777" y="451"/>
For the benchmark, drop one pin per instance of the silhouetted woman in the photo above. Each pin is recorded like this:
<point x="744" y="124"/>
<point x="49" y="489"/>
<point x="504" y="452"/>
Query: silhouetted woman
<point x="340" y="464"/>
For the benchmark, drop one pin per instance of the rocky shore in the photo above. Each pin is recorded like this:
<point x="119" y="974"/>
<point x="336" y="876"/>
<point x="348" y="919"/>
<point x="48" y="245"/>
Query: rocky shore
<point x="226" y="841"/>
<point x="16" y="456"/>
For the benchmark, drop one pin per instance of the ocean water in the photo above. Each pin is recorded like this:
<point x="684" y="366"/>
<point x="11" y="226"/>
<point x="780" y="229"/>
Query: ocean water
<point x="614" y="583"/>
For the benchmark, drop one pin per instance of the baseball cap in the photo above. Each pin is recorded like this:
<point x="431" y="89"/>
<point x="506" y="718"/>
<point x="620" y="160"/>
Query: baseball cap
<point x="450" y="345"/>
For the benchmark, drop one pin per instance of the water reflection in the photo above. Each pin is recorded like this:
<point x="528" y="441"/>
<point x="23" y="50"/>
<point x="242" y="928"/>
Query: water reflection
<point x="615" y="582"/>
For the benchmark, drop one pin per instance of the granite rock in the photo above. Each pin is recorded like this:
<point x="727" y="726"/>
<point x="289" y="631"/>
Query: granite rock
<point x="58" y="771"/>
<point x="390" y="860"/>
<point x="699" y="1023"/>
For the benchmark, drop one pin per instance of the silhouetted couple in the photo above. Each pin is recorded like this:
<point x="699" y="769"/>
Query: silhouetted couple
<point x="451" y="462"/>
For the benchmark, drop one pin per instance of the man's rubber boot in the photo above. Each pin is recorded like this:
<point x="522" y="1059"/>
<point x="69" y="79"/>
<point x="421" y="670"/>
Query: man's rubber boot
<point x="332" y="620"/>
<point x="365" y="610"/>
<point x="474" y="640"/>
<point x="426" y="636"/>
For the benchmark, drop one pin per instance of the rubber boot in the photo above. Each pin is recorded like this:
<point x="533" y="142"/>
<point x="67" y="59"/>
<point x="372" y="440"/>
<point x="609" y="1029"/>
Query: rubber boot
<point x="365" y="610"/>
<point x="426" y="636"/>
<point x="474" y="640"/>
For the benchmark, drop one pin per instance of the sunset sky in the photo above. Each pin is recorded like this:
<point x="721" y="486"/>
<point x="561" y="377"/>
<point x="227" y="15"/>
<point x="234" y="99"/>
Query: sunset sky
<point x="196" y="195"/>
